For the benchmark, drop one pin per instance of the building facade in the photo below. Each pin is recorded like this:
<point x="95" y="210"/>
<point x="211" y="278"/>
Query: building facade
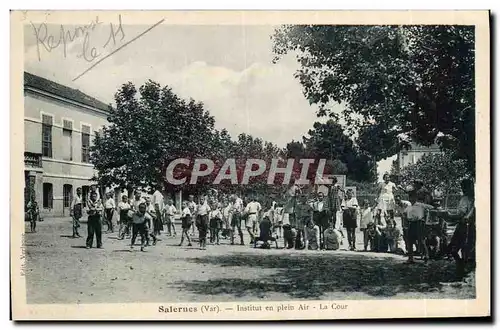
<point x="412" y="155"/>
<point x="59" y="126"/>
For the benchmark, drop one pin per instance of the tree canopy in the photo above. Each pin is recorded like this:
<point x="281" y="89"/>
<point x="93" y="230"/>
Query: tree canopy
<point x="397" y="83"/>
<point x="152" y="126"/>
<point x="329" y="141"/>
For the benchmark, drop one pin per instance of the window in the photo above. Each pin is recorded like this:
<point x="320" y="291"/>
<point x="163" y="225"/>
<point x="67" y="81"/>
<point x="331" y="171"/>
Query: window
<point x="47" y="195"/>
<point x="85" y="144"/>
<point x="67" y="195"/>
<point x="67" y="145"/>
<point x="46" y="136"/>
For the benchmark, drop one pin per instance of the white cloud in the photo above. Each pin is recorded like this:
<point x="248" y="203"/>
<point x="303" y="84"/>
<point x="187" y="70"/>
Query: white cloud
<point x="259" y="97"/>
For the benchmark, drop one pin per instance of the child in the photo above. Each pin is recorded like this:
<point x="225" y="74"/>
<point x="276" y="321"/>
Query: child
<point x="278" y="218"/>
<point x="34" y="213"/>
<point x="226" y="219"/>
<point x="152" y="227"/>
<point x="140" y="221"/>
<point x="169" y="216"/>
<point x="392" y="235"/>
<point x="215" y="216"/>
<point x="303" y="214"/>
<point x="435" y="230"/>
<point x="125" y="223"/>
<point x="109" y="209"/>
<point x="349" y="218"/>
<point x="333" y="237"/>
<point x="265" y="233"/>
<point x="289" y="236"/>
<point x="76" y="211"/>
<point x="371" y="236"/>
<point x="202" y="223"/>
<point x="416" y="221"/>
<point x="311" y="235"/>
<point x="186" y="223"/>
<point x="366" y="218"/>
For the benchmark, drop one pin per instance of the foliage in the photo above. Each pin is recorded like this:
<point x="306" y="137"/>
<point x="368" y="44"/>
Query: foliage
<point x="398" y="83"/>
<point x="151" y="127"/>
<point x="329" y="141"/>
<point x="437" y="171"/>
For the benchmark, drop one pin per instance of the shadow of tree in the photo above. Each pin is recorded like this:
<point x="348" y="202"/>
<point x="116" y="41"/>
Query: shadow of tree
<point x="308" y="276"/>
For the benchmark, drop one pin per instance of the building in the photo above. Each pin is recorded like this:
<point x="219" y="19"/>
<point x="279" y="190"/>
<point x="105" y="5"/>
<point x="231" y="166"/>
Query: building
<point x="59" y="125"/>
<point x="412" y="155"/>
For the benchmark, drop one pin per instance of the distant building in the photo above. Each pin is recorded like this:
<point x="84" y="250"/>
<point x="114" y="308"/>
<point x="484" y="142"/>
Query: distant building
<point x="412" y="155"/>
<point x="59" y="125"/>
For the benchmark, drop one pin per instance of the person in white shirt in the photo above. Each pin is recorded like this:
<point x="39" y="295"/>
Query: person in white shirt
<point x="236" y="214"/>
<point x="215" y="216"/>
<point x="140" y="220"/>
<point x="169" y="212"/>
<point x="386" y="195"/>
<point x="278" y="219"/>
<point x="138" y="199"/>
<point x="76" y="211"/>
<point x="193" y="208"/>
<point x="158" y="204"/>
<point x="366" y="219"/>
<point x="186" y="223"/>
<point x="350" y="209"/>
<point x="202" y="221"/>
<point x="109" y="209"/>
<point x="152" y="227"/>
<point x="401" y="207"/>
<point x="125" y="221"/>
<point x="252" y="211"/>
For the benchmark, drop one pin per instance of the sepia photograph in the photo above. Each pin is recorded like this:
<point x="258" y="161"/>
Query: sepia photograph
<point x="240" y="165"/>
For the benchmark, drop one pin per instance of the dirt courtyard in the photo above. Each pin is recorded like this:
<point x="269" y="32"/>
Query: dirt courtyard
<point x="59" y="269"/>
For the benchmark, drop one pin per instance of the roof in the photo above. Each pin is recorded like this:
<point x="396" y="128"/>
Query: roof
<point x="49" y="86"/>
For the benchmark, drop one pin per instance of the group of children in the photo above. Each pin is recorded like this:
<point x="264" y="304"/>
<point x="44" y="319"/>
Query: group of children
<point x="301" y="222"/>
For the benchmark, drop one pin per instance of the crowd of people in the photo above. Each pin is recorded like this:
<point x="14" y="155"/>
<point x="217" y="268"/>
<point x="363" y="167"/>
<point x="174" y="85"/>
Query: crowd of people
<point x="300" y="219"/>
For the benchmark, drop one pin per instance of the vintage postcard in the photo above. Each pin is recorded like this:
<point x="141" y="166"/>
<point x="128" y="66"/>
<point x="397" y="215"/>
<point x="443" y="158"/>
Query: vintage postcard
<point x="250" y="165"/>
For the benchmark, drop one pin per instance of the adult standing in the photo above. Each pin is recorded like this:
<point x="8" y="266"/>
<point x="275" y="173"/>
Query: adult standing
<point x="94" y="226"/>
<point x="158" y="204"/>
<point x="290" y="204"/>
<point x="76" y="211"/>
<point x="386" y="199"/>
<point x="463" y="239"/>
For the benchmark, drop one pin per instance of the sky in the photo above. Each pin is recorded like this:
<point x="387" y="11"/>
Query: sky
<point x="228" y="68"/>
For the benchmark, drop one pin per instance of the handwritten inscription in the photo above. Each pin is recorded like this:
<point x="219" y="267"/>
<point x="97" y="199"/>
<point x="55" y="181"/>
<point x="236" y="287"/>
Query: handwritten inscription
<point x="87" y="49"/>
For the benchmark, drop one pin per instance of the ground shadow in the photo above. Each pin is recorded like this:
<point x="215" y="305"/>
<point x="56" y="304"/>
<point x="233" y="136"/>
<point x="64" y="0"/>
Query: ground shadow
<point x="68" y="236"/>
<point x="308" y="276"/>
<point x="78" y="246"/>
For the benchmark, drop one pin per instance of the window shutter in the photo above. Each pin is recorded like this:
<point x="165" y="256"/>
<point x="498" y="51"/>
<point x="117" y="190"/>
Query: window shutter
<point x="47" y="120"/>
<point x="67" y="124"/>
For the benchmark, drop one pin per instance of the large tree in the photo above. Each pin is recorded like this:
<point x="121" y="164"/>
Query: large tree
<point x="397" y="83"/>
<point x="152" y="127"/>
<point x="148" y="130"/>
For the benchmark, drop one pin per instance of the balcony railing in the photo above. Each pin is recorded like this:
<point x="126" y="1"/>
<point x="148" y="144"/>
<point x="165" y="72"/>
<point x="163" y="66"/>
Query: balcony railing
<point x="32" y="160"/>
